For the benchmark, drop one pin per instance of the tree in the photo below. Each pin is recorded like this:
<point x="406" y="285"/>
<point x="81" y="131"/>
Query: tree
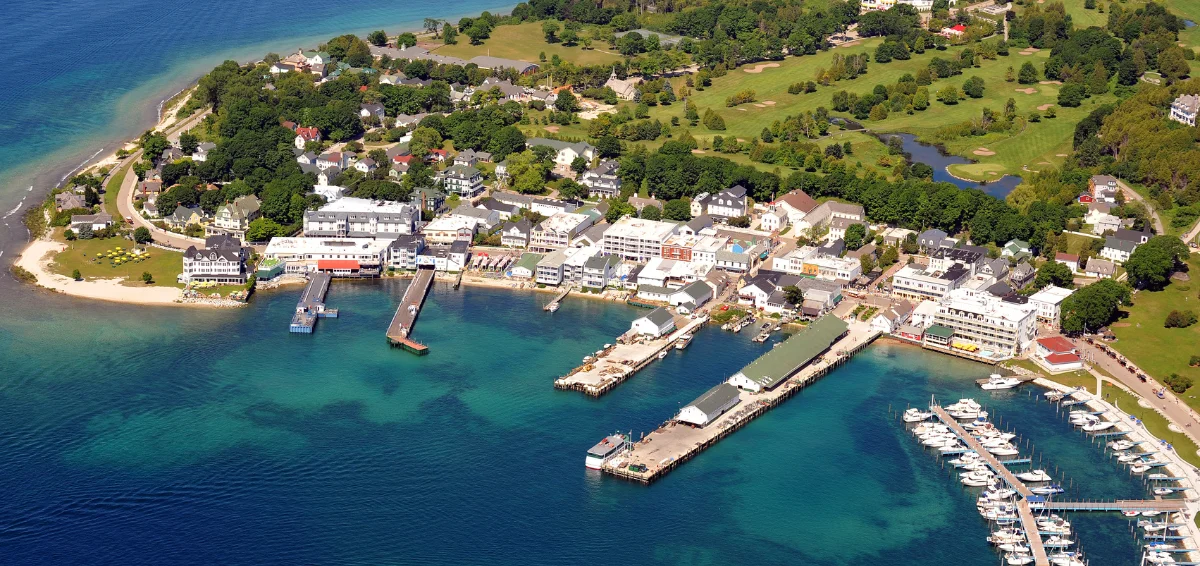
<point x="1172" y="64"/>
<point x="76" y="275"/>
<point x="1151" y="264"/>
<point x="69" y="234"/>
<point x="579" y="165"/>
<point x="477" y="32"/>
<point x="141" y="235"/>
<point x="569" y="37"/>
<point x="948" y="95"/>
<point x="1071" y="95"/>
<point x="1010" y="75"/>
<point x="973" y="87"/>
<point x="86" y="232"/>
<point x="570" y="190"/>
<point x="1054" y="273"/>
<point x="147" y="278"/>
<point x="855" y="234"/>
<point x="1180" y="319"/>
<point x="608" y="147"/>
<point x="550" y="30"/>
<point x="651" y="213"/>
<point x="1098" y="81"/>
<point x="527" y="173"/>
<point x="566" y="102"/>
<point x="1093" y="306"/>
<point x="618" y="209"/>
<point x="878" y="112"/>
<point x="742" y="221"/>
<point x="677" y="209"/>
<point x="378" y="38"/>
<point x="794" y="295"/>
<point x="866" y="262"/>
<point x="432" y="25"/>
<point x="1028" y="74"/>
<point x="889" y="257"/>
<point x="449" y="35"/>
<point x="188" y="143"/>
<point x="263" y="229"/>
<point x="713" y="121"/>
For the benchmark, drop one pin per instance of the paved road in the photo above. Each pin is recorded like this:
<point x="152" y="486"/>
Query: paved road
<point x="1132" y="194"/>
<point x="1175" y="410"/>
<point x="126" y="190"/>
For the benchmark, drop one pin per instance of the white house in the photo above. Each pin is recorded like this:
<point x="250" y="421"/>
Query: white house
<point x="1185" y="108"/>
<point x="462" y="180"/>
<point x="691" y="296"/>
<point x="774" y="219"/>
<point x="565" y="152"/>
<point x="659" y="322"/>
<point x="201" y="153"/>
<point x="712" y="404"/>
<point x="728" y="203"/>
<point x="1069" y="260"/>
<point x="1048" y="303"/>
<point x="305" y="135"/>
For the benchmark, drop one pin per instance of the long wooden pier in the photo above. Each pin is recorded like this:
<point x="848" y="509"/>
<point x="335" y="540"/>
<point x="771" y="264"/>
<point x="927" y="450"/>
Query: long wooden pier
<point x="620" y="362"/>
<point x="1165" y="505"/>
<point x="553" y="304"/>
<point x="312" y="305"/>
<point x="399" y="332"/>
<point x="674" y="443"/>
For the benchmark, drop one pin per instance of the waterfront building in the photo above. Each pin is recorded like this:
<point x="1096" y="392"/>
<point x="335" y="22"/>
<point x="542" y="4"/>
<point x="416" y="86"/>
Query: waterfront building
<point x="917" y="282"/>
<point x="671" y="273"/>
<point x="1048" y="303"/>
<point x="360" y="218"/>
<point x="659" y="322"/>
<point x="691" y="296"/>
<point x="988" y="322"/>
<point x="550" y="268"/>
<point x="593" y="236"/>
<point x="68" y="201"/>
<point x="1184" y="109"/>
<point x="712" y="404"/>
<point x="235" y="217"/>
<point x="450" y="257"/>
<point x="341" y="256"/>
<point x="1056" y="355"/>
<point x="558" y="231"/>
<point x="93" y="222"/>
<point x="403" y="251"/>
<point x="600" y="270"/>
<point x="787" y="357"/>
<point x="922" y="315"/>
<point x="637" y="239"/>
<point x="602" y="181"/>
<point x="526" y="267"/>
<point x="448" y="229"/>
<point x="223" y="260"/>
<point x="890" y="319"/>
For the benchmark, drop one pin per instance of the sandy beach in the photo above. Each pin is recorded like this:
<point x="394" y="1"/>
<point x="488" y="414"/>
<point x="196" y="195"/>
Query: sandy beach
<point x="36" y="259"/>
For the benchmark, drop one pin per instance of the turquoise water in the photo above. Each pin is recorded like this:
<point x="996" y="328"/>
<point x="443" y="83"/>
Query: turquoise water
<point x="80" y="76"/>
<point x="152" y="436"/>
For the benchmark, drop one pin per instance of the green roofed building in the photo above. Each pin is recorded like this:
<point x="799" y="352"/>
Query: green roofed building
<point x="939" y="335"/>
<point x="526" y="267"/>
<point x="790" y="355"/>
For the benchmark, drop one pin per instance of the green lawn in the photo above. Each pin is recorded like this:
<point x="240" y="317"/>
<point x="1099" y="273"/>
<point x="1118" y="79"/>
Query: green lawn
<point x="114" y="188"/>
<point x="525" y="42"/>
<point x="1037" y="145"/>
<point x="164" y="265"/>
<point x="1157" y="350"/>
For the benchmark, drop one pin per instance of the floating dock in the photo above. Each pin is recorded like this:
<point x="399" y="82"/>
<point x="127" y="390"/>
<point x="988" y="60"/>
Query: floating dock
<point x="617" y="363"/>
<point x="798" y="362"/>
<point x="399" y="332"/>
<point x="312" y="305"/>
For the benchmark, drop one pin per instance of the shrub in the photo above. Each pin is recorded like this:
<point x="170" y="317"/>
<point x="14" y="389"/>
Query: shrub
<point x="1195" y="361"/>
<point x="1180" y="319"/>
<point x="743" y="97"/>
<point x="1178" y="383"/>
<point x="76" y="275"/>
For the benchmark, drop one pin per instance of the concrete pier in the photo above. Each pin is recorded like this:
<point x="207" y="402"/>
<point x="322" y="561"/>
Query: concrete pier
<point x="620" y="362"/>
<point x="312" y="305"/>
<point x="399" y="332"/>
<point x="675" y="443"/>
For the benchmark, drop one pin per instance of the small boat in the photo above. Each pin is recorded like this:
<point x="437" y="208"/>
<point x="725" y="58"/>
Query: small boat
<point x="1151" y="513"/>
<point x="968" y="458"/>
<point x="915" y="415"/>
<point x="1018" y="558"/>
<point x="1066" y="559"/>
<point x="951" y="447"/>
<point x="1128" y="457"/>
<point x="1159" y="558"/>
<point x="1033" y="476"/>
<point x="1121" y="444"/>
<point x="1057" y="542"/>
<point x="1159" y="547"/>
<point x="1052" y="489"/>
<point x="996" y="381"/>
<point x="975" y="479"/>
<point x="662" y="354"/>
<point x="1128" y="513"/>
<point x="1164" y="490"/>
<point x="1139" y="468"/>
<point x="552" y="307"/>
<point x="683" y="341"/>
<point x="1004" y="450"/>
<point x="1157" y="476"/>
<point x="1098" y="426"/>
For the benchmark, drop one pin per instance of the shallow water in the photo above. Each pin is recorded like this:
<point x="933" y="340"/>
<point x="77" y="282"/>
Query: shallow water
<point x="934" y="157"/>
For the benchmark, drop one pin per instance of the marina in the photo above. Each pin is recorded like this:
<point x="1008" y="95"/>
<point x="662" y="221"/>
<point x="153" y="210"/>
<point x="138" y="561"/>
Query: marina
<point x="312" y="305"/>
<point x="771" y="379"/>
<point x="613" y="364"/>
<point x="399" y="332"/>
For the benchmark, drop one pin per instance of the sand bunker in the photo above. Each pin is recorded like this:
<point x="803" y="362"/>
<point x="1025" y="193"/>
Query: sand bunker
<point x="984" y="152"/>
<point x="759" y="67"/>
<point x="1060" y="155"/>
<point x="1025" y="53"/>
<point x="1044" y="107"/>
<point x="1050" y="82"/>
<point x="741" y="109"/>
<point x="769" y="102"/>
<point x="551" y="129"/>
<point x="1027" y="90"/>
<point x="699" y="151"/>
<point x="760" y="105"/>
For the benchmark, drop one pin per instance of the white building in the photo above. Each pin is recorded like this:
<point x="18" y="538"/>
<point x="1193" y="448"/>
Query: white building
<point x="602" y="181"/>
<point x="916" y="282"/>
<point x="360" y="218"/>
<point x="223" y="260"/>
<point x="557" y="231"/>
<point x="833" y="268"/>
<point x="712" y="404"/>
<point x="600" y="270"/>
<point x="306" y="254"/>
<point x="773" y="220"/>
<point x="1048" y="303"/>
<point x="637" y="239"/>
<point x="462" y="180"/>
<point x="448" y="229"/>
<point x="728" y="203"/>
<point x="984" y="320"/>
<point x="565" y="152"/>
<point x="1185" y="108"/>
<point x="659" y="322"/>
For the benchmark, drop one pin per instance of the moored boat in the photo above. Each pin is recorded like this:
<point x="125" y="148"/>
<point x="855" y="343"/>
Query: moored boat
<point x="603" y="451"/>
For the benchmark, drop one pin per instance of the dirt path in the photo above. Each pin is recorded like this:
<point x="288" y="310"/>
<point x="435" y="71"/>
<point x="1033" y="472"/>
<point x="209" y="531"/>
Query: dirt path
<point x="1132" y="194"/>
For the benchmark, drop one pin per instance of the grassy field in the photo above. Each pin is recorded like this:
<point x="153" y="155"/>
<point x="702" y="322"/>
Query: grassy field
<point x="525" y="42"/>
<point x="114" y="187"/>
<point x="1157" y="350"/>
<point x="1037" y="145"/>
<point x="164" y="265"/>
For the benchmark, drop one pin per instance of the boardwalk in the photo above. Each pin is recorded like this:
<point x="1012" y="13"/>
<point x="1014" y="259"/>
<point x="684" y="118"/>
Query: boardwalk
<point x="312" y="305"/>
<point x="400" y="330"/>
<point x="562" y="294"/>
<point x="1166" y="505"/>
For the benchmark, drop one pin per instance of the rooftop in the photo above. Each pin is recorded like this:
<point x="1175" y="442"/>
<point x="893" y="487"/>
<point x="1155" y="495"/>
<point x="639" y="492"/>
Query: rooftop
<point x="352" y="204"/>
<point x="792" y="354"/>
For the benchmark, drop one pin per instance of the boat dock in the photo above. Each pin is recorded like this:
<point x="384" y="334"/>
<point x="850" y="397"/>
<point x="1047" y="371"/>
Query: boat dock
<point x="400" y="330"/>
<point x="798" y="362"/>
<point x="553" y="304"/>
<point x="613" y="365"/>
<point x="312" y="305"/>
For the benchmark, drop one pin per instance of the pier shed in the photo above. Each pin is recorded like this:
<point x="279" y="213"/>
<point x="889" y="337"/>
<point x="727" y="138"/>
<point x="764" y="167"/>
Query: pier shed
<point x="660" y="321"/>
<point x="712" y="404"/>
<point x="790" y="355"/>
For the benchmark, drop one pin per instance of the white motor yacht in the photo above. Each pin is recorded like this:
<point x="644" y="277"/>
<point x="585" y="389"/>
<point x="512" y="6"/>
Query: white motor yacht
<point x="963" y="404"/>
<point x="1151" y="513"/>
<point x="1056" y="541"/>
<point x="1004" y="450"/>
<point x="1052" y="489"/>
<point x="1066" y="559"/>
<point x="915" y="415"/>
<point x="1159" y="558"/>
<point x="1001" y="493"/>
<point x="1121" y="444"/>
<point x="1018" y="559"/>
<point x="1035" y="475"/>
<point x="1128" y="457"/>
<point x="952" y="447"/>
<point x="1159" y="547"/>
<point x="1098" y="426"/>
<point x="1164" y="490"/>
<point x="996" y="381"/>
<point x="1139" y="468"/>
<point x="967" y="458"/>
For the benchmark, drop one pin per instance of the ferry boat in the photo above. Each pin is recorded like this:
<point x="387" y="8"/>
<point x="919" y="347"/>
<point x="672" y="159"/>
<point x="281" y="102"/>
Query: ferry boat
<point x="603" y="451"/>
<point x="683" y="341"/>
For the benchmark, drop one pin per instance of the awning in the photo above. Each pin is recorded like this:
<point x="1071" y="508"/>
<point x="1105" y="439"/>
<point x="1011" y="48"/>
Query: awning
<point x="336" y="264"/>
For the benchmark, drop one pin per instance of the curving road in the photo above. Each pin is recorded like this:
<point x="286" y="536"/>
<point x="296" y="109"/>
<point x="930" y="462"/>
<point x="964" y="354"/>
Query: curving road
<point x="126" y="190"/>
<point x="1132" y="194"/>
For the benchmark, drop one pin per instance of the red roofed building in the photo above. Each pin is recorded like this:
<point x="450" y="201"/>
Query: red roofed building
<point x="405" y="159"/>
<point x="954" y="31"/>
<point x="437" y="155"/>
<point x="1057" y="354"/>
<point x="796" y="204"/>
<point x="339" y="267"/>
<point x="1086" y="199"/>
<point x="1069" y="260"/>
<point x="305" y="135"/>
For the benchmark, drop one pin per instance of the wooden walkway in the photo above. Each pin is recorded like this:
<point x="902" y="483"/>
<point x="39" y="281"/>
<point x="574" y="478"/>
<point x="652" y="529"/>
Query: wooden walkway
<point x="1028" y="522"/>
<point x="1166" y="505"/>
<point x="562" y="294"/>
<point x="399" y="332"/>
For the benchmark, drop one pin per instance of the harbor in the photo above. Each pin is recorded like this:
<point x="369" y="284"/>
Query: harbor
<point x="763" y="384"/>
<point x="399" y="333"/>
<point x="614" y="363"/>
<point x="312" y="305"/>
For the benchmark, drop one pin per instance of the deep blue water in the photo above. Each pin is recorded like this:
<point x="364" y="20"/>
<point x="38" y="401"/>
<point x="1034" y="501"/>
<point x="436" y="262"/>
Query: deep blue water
<point x="81" y="76"/>
<point x="177" y="436"/>
<point x="934" y="157"/>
